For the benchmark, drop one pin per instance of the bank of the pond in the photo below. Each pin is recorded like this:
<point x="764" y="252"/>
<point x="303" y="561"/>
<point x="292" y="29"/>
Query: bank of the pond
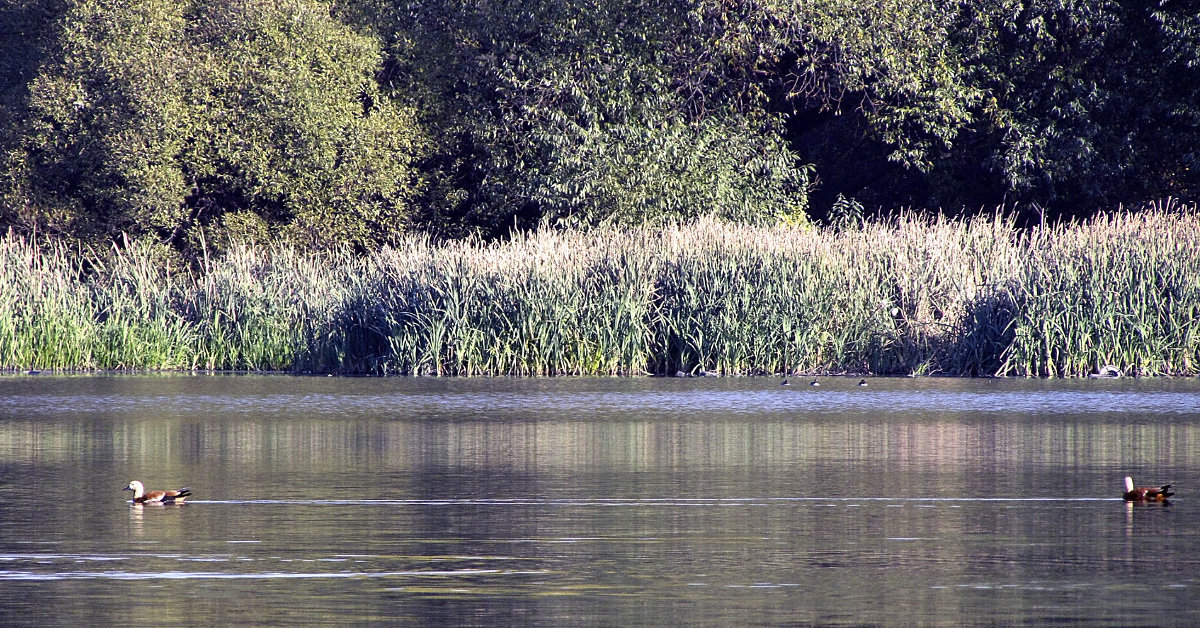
<point x="910" y="296"/>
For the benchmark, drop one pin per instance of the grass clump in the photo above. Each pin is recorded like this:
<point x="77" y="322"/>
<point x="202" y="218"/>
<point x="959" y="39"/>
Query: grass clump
<point x="910" y="295"/>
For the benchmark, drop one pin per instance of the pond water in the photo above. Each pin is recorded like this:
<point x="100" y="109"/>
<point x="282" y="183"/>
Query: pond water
<point x="708" y="501"/>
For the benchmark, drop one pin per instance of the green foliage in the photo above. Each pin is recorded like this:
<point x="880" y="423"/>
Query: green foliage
<point x="348" y="123"/>
<point x="99" y="135"/>
<point x="163" y="117"/>
<point x="891" y="61"/>
<point x="846" y="213"/>
<point x="643" y="172"/>
<point x="569" y="111"/>
<point x="297" y="129"/>
<point x="1072" y="106"/>
<point x="1087" y="103"/>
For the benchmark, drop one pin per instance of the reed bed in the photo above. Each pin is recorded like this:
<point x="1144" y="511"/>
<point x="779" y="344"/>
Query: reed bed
<point x="911" y="295"/>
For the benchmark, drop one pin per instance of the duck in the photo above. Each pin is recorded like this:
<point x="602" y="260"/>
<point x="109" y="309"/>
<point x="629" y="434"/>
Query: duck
<point x="1145" y="493"/>
<point x="140" y="496"/>
<point x="785" y="382"/>
<point x="814" y="382"/>
<point x="862" y="382"/>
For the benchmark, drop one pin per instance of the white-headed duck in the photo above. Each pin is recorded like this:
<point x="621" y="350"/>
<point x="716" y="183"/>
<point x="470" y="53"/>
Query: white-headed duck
<point x="140" y="496"/>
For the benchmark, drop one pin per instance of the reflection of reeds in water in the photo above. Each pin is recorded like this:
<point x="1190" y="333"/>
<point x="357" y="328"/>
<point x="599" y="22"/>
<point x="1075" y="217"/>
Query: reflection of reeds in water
<point x="911" y="295"/>
<point x="962" y="442"/>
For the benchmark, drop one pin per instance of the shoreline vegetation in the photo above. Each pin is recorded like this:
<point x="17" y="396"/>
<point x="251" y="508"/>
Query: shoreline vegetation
<point x="910" y="295"/>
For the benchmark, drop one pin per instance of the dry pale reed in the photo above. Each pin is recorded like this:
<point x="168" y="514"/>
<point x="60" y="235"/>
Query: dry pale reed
<point x="910" y="295"/>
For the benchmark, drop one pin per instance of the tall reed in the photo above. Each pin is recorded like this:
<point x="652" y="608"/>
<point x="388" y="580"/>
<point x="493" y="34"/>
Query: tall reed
<point x="1121" y="289"/>
<point x="910" y="295"/>
<point x="48" y="318"/>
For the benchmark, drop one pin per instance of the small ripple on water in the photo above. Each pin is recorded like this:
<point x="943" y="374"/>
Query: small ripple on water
<point x="215" y="575"/>
<point x="58" y="567"/>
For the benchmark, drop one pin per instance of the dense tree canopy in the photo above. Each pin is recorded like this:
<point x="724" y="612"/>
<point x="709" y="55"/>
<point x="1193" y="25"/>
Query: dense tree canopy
<point x="235" y="116"/>
<point x="348" y="122"/>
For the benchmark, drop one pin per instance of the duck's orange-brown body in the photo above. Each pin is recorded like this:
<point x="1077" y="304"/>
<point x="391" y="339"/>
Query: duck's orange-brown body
<point x="141" y="496"/>
<point x="1146" y="493"/>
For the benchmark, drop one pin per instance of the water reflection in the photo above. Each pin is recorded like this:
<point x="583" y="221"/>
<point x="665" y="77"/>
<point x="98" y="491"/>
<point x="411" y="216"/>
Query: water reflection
<point x="535" y="445"/>
<point x="615" y="502"/>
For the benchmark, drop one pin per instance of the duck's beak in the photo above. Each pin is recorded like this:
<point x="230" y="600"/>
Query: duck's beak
<point x="126" y="489"/>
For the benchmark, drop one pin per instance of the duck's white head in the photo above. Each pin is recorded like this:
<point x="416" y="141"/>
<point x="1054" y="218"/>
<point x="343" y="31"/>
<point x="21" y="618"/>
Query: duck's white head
<point x="137" y="488"/>
<point x="1128" y="484"/>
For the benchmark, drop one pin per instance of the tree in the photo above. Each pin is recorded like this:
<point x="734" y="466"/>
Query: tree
<point x="237" y="117"/>
<point x="1086" y="105"/>
<point x="24" y="43"/>
<point x="873" y="93"/>
<point x="331" y="123"/>
<point x="568" y="110"/>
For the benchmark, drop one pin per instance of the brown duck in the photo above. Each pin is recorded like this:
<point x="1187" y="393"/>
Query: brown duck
<point x="1145" y="493"/>
<point x="140" y="496"/>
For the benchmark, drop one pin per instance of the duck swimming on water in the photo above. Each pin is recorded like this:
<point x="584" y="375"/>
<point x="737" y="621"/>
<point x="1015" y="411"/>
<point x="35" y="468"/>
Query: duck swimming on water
<point x="140" y="496"/>
<point x="1145" y="493"/>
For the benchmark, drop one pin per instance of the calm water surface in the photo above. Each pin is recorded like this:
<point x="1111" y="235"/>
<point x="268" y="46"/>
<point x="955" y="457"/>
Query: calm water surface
<point x="597" y="501"/>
